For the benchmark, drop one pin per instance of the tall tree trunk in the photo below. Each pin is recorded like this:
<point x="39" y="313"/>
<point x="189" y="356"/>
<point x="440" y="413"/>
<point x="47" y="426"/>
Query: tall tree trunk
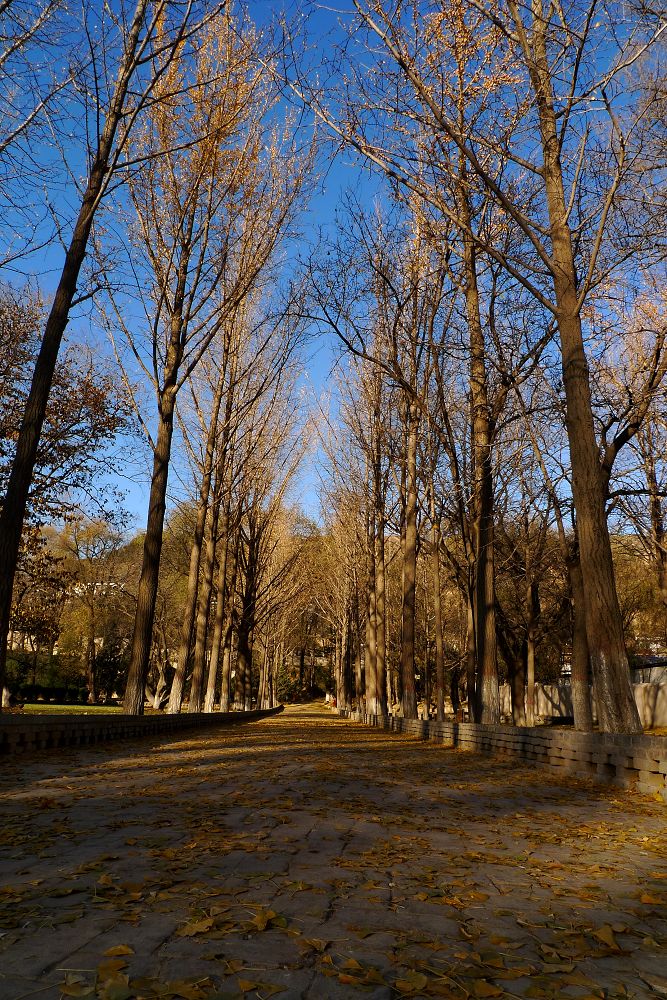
<point x="454" y="694"/>
<point x="247" y="691"/>
<point x="617" y="711"/>
<point x="209" y="700"/>
<point x="243" y="655"/>
<point x="246" y="625"/>
<point x="520" y="669"/>
<point x="226" y="672"/>
<point x="409" y="693"/>
<point x="302" y="669"/>
<point x="278" y="658"/>
<point x="133" y="703"/>
<point x="380" y="673"/>
<point x="530" y="679"/>
<point x="178" y="683"/>
<point x="580" y="676"/>
<point x="471" y="657"/>
<point x="203" y="609"/>
<point x="263" y="686"/>
<point x="370" y="651"/>
<point x="658" y="537"/>
<point x="343" y="697"/>
<point x="15" y="500"/>
<point x="488" y="694"/>
<point x="222" y="630"/>
<point x="437" y="614"/>
<point x="358" y="671"/>
<point x="90" y="668"/>
<point x="533" y="612"/>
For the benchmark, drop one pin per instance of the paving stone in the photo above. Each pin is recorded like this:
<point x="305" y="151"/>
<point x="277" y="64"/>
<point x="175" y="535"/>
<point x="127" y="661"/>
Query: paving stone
<point x="372" y="846"/>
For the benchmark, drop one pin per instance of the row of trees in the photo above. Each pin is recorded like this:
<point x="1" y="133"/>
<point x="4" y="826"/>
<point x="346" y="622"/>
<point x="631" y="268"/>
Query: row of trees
<point x="193" y="178"/>
<point x="524" y="148"/>
<point x="75" y="605"/>
<point x="500" y="306"/>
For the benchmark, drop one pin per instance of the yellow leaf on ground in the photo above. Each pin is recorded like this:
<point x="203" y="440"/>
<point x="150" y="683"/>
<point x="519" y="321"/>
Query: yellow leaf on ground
<point x="263" y="918"/>
<point x="264" y="989"/>
<point x="412" y="982"/>
<point x="110" y="966"/>
<point x="605" y="934"/>
<point x="77" y="990"/>
<point x="195" y="927"/>
<point x="188" y="990"/>
<point x="315" y="943"/>
<point x="480" y="988"/>
<point x="117" y="950"/>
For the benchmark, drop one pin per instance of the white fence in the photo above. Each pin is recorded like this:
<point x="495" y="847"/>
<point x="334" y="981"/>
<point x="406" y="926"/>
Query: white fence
<point x="556" y="700"/>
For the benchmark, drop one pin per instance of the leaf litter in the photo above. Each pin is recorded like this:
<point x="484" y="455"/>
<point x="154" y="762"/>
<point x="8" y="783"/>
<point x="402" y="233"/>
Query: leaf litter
<point x="303" y="849"/>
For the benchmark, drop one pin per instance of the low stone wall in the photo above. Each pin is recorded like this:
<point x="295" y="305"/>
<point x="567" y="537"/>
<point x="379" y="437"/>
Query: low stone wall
<point x="629" y="761"/>
<point x="26" y="733"/>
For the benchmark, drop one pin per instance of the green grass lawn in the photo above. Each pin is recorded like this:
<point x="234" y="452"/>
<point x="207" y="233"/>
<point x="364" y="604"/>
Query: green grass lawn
<point x="47" y="708"/>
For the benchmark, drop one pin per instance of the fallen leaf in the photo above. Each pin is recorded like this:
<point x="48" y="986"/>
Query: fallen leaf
<point x="119" y="949"/>
<point x="412" y="982"/>
<point x="77" y="990"/>
<point x="657" y="983"/>
<point x="110" y="966"/>
<point x="195" y="927"/>
<point x="480" y="988"/>
<point x="605" y="934"/>
<point x="315" y="944"/>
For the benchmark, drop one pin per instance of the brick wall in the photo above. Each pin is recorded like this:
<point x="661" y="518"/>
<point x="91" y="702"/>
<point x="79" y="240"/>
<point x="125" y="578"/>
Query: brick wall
<point x="629" y="761"/>
<point x="25" y="733"/>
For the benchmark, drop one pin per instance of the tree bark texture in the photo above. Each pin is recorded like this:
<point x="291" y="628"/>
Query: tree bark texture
<point x="471" y="657"/>
<point x="380" y="673"/>
<point x="580" y="676"/>
<point x="370" y="651"/>
<point x="437" y="615"/>
<point x="518" y="676"/>
<point x="133" y="703"/>
<point x="409" y="693"/>
<point x="487" y="702"/>
<point x="617" y="711"/>
<point x="214" y="661"/>
<point x="203" y="608"/>
<point x="658" y="537"/>
<point x="178" y="683"/>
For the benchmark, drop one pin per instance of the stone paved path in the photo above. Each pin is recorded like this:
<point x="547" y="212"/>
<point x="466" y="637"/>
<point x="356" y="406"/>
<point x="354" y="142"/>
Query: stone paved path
<point x="308" y="857"/>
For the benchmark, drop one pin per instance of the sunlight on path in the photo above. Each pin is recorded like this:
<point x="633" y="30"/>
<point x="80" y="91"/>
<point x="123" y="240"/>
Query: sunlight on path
<point x="305" y="856"/>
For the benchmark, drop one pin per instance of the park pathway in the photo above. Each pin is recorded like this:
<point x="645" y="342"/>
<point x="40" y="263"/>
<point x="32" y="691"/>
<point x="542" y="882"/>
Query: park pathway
<point x="303" y="856"/>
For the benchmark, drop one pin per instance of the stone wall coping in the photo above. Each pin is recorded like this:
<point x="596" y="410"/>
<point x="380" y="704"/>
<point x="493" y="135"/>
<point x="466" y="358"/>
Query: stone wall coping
<point x="22" y="733"/>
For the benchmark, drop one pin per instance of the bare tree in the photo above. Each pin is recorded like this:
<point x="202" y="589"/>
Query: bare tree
<point x="563" y="191"/>
<point x="37" y="68"/>
<point x="210" y="213"/>
<point x="119" y="103"/>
